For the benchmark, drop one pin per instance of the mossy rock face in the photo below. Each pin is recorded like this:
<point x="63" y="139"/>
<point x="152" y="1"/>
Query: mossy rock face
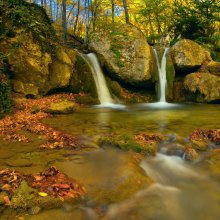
<point x="82" y="78"/>
<point x="35" y="61"/>
<point x="202" y="87"/>
<point x="214" y="68"/>
<point x="188" y="56"/>
<point x="127" y="95"/>
<point x="125" y="54"/>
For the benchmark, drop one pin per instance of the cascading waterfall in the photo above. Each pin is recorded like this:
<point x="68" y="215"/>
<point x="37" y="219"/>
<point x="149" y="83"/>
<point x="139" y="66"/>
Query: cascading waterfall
<point x="162" y="74"/>
<point x="101" y="86"/>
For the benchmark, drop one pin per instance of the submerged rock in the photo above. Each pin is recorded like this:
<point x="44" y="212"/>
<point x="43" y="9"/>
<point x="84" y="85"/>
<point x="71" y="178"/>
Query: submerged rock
<point x="188" y="56"/>
<point x="202" y="87"/>
<point x="125" y="54"/>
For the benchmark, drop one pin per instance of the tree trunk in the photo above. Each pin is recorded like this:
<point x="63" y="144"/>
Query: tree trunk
<point x="42" y="3"/>
<point x="86" y="22"/>
<point x="77" y="17"/>
<point x="113" y="13"/>
<point x="126" y="12"/>
<point x="64" y="24"/>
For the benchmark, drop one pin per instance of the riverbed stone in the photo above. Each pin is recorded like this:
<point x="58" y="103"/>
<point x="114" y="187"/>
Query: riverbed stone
<point x="19" y="162"/>
<point x="188" y="56"/>
<point x="125" y="54"/>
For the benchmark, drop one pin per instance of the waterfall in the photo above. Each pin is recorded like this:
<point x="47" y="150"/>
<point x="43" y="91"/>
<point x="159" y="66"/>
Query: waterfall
<point x="162" y="74"/>
<point x="101" y="86"/>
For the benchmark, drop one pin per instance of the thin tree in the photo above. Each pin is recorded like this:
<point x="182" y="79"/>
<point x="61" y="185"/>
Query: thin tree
<point x="64" y="23"/>
<point x="126" y="12"/>
<point x="77" y="17"/>
<point x="113" y="12"/>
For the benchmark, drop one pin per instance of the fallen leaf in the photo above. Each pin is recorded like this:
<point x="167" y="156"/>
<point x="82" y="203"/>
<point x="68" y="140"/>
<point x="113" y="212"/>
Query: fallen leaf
<point x="43" y="194"/>
<point x="7" y="200"/>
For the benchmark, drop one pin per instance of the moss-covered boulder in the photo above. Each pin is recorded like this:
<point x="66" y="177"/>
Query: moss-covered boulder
<point x="141" y="143"/>
<point x="125" y="54"/>
<point x="188" y="56"/>
<point x="214" y="68"/>
<point x="202" y="87"/>
<point x="62" y="107"/>
<point x="36" y="62"/>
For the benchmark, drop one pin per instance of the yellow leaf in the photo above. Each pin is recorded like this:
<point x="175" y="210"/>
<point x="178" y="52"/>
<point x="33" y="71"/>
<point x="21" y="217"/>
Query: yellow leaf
<point x="42" y="194"/>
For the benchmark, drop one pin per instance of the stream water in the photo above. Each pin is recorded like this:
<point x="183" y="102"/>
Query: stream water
<point x="182" y="190"/>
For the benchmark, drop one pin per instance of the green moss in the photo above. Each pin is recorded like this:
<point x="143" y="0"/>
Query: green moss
<point x="23" y="197"/>
<point x="127" y="142"/>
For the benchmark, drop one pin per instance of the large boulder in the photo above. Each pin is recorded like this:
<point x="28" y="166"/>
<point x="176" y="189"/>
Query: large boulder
<point x="36" y="72"/>
<point x="36" y="62"/>
<point x="202" y="87"/>
<point x="188" y="56"/>
<point x="125" y="54"/>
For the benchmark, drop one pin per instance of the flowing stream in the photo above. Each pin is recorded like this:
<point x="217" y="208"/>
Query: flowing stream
<point x="118" y="190"/>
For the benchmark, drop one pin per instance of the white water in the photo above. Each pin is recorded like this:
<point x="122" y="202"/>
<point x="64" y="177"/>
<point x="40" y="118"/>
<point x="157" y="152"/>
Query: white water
<point x="162" y="76"/>
<point x="102" y="89"/>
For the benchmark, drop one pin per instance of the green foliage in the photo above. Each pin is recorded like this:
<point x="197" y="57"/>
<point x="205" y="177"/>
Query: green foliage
<point x="198" y="20"/>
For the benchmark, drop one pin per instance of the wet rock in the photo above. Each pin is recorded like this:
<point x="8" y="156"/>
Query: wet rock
<point x="173" y="149"/>
<point x="214" y="68"/>
<point x="128" y="142"/>
<point x="63" y="107"/>
<point x="190" y="154"/>
<point x="202" y="87"/>
<point x="211" y="135"/>
<point x="188" y="56"/>
<point x="19" y="162"/>
<point x="201" y="145"/>
<point x="125" y="54"/>
<point x="82" y="79"/>
<point x="34" y="210"/>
